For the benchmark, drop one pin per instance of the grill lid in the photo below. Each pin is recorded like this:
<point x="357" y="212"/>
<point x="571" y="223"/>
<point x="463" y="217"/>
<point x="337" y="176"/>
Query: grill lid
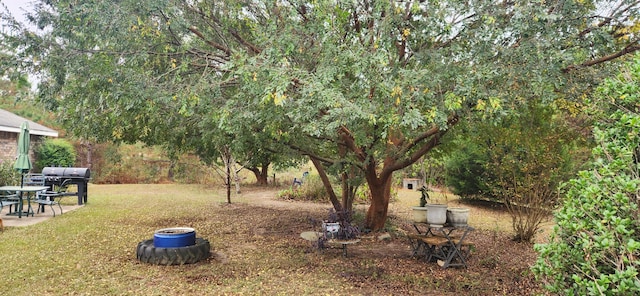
<point x="84" y="173"/>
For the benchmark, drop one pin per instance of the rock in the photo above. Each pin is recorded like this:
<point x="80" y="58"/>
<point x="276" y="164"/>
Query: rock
<point x="311" y="236"/>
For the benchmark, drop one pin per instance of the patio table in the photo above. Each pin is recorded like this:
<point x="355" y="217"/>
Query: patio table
<point x="343" y="243"/>
<point x="29" y="190"/>
<point x="445" y="244"/>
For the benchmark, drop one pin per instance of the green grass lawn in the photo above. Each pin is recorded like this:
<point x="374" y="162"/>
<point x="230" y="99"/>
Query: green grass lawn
<point x="256" y="250"/>
<point x="91" y="251"/>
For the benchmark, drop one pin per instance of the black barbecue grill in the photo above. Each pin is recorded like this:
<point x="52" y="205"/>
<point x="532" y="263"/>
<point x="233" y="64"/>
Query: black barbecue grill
<point x="54" y="176"/>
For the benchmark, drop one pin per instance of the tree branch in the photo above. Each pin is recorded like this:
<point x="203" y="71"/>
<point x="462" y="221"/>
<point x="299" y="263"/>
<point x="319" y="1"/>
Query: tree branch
<point x="327" y="184"/>
<point x="350" y="142"/>
<point x="452" y="120"/>
<point x="244" y="42"/>
<point x="216" y="45"/>
<point x="433" y="134"/>
<point x="627" y="50"/>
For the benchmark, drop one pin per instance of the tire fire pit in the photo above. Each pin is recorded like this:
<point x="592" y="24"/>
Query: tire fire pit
<point x="173" y="246"/>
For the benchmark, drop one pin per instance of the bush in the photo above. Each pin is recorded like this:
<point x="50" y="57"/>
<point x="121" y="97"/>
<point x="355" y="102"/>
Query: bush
<point x="130" y="164"/>
<point x="55" y="152"/>
<point x="521" y="162"/>
<point x="8" y="176"/>
<point x="595" y="247"/>
<point x="465" y="171"/>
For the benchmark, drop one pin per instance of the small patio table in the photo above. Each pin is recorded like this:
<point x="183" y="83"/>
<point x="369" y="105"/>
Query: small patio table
<point x="344" y="243"/>
<point x="29" y="190"/>
<point x="445" y="244"/>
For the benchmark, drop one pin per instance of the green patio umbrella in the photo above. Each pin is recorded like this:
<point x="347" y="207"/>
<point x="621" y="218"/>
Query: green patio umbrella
<point x="23" y="163"/>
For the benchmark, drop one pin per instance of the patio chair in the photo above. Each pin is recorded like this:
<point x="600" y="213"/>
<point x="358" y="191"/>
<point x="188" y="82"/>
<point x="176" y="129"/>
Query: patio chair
<point x="8" y="199"/>
<point x="418" y="247"/>
<point x="52" y="197"/>
<point x="435" y="247"/>
<point x="298" y="182"/>
<point x="11" y="198"/>
<point x="33" y="179"/>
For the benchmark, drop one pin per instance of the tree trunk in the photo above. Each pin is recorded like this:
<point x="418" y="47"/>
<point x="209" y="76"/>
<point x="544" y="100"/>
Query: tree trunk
<point x="89" y="154"/>
<point x="228" y="165"/>
<point x="347" y="200"/>
<point x="228" y="160"/>
<point x="380" y="184"/>
<point x="349" y="190"/>
<point x="261" y="175"/>
<point x="380" y="196"/>
<point x="236" y="178"/>
<point x="170" y="172"/>
<point x="327" y="184"/>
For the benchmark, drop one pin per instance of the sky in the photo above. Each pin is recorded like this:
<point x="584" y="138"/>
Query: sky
<point x="18" y="7"/>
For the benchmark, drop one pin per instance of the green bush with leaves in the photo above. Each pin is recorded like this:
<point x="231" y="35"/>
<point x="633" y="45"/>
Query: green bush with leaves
<point x="520" y="162"/>
<point x="8" y="176"/>
<point x="595" y="246"/>
<point x="465" y="169"/>
<point x="55" y="152"/>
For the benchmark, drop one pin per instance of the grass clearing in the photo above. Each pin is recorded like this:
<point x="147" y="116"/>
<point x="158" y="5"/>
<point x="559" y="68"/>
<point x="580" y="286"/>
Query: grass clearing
<point x="256" y="250"/>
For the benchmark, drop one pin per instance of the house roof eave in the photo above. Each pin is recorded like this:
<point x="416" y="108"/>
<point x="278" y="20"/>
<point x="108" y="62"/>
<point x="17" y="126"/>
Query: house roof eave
<point x="10" y="122"/>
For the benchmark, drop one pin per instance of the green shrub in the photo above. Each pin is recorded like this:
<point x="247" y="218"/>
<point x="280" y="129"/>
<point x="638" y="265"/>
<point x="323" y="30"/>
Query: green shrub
<point x="521" y="161"/>
<point x="290" y="193"/>
<point x="189" y="169"/>
<point x="465" y="171"/>
<point x="8" y="176"/>
<point x="136" y="163"/>
<point x="595" y="246"/>
<point x="120" y="165"/>
<point x="55" y="152"/>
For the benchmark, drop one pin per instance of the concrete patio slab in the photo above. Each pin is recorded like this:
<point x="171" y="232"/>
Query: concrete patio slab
<point x="14" y="221"/>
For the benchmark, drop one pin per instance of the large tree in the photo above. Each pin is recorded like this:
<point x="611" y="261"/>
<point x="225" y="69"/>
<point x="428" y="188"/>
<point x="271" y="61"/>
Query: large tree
<point x="363" y="88"/>
<point x="372" y="86"/>
<point x="122" y="72"/>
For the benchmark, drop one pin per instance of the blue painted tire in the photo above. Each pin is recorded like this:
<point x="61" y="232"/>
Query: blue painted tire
<point x="174" y="237"/>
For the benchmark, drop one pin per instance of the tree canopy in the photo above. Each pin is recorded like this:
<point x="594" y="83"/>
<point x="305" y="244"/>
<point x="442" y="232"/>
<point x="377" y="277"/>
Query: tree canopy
<point x="363" y="88"/>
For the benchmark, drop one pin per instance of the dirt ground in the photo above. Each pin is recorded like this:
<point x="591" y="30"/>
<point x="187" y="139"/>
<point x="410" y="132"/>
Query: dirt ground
<point x="497" y="265"/>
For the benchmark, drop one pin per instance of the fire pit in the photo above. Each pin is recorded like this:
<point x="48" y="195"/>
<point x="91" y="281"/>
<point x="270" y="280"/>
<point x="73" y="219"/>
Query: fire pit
<point x="174" y="237"/>
<point x="173" y="246"/>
